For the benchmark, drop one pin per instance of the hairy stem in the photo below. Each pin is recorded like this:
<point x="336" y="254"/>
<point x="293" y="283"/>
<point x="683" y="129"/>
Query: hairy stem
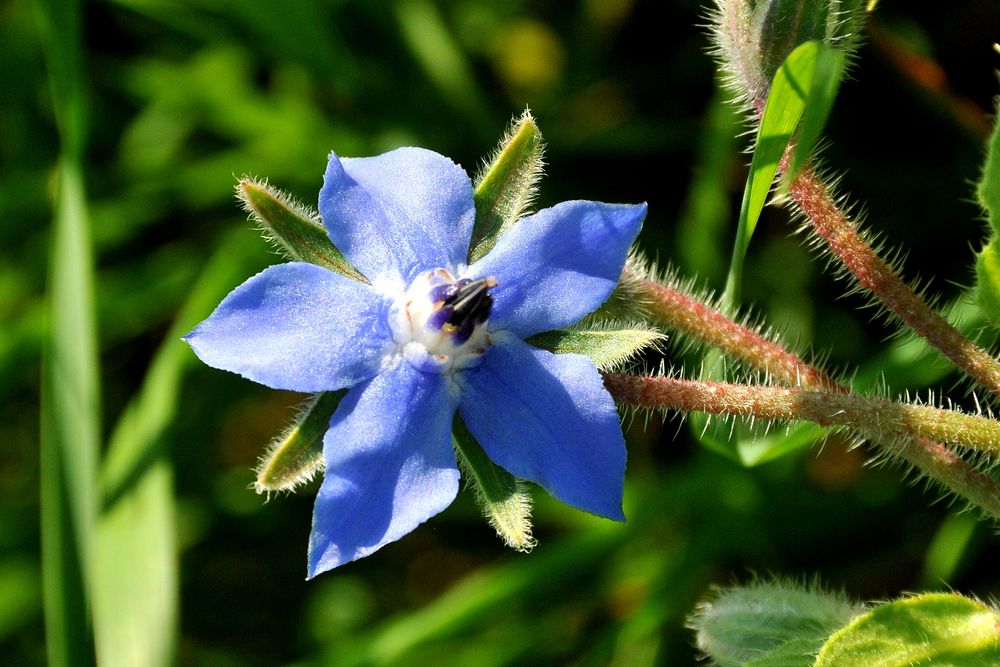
<point x="679" y="311"/>
<point x="871" y="415"/>
<point x="831" y="224"/>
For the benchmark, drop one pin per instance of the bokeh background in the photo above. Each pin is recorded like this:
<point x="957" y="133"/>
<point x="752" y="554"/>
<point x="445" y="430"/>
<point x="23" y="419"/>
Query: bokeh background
<point x="184" y="97"/>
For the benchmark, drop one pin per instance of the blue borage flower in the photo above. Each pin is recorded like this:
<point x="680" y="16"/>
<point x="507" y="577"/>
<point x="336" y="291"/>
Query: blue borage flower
<point x="428" y="336"/>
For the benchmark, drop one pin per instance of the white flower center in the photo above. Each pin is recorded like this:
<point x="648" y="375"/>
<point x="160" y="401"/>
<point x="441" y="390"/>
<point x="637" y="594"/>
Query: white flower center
<point x="439" y="323"/>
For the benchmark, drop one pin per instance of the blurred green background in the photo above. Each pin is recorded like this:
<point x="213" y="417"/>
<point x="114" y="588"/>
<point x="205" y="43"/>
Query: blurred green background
<point x="183" y="97"/>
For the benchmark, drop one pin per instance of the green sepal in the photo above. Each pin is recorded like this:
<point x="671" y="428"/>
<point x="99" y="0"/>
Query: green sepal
<point x="296" y="455"/>
<point x="298" y="232"/>
<point x="928" y="629"/>
<point x="608" y="345"/>
<point x="769" y="624"/>
<point x="505" y="501"/>
<point x="506" y="187"/>
<point x="809" y="76"/>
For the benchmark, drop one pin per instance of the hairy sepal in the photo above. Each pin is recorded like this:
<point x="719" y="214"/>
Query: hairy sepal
<point x="294" y="229"/>
<point x="295" y="456"/>
<point x="610" y="345"/>
<point x="754" y="37"/>
<point x="506" y="187"/>
<point x="504" y="500"/>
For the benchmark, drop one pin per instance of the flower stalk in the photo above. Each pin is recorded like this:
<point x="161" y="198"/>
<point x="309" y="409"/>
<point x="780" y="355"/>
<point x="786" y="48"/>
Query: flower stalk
<point x="677" y="310"/>
<point x="871" y="415"/>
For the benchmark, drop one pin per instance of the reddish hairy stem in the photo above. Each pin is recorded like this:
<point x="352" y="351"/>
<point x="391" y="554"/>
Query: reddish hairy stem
<point x="831" y="224"/>
<point x="710" y="326"/>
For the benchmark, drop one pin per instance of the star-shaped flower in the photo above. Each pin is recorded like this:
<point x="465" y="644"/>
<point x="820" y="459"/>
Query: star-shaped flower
<point x="430" y="335"/>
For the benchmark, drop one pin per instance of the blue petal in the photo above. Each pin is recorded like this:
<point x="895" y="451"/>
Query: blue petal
<point x="297" y="326"/>
<point x="399" y="213"/>
<point x="548" y="418"/>
<point x="390" y="465"/>
<point x="557" y="265"/>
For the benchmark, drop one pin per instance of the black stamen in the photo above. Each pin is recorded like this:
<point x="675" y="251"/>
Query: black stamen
<point x="465" y="304"/>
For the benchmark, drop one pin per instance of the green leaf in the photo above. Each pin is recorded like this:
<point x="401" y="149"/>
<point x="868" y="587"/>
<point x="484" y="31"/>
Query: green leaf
<point x="608" y="347"/>
<point x="769" y="624"/>
<point x="828" y="72"/>
<point x="988" y="281"/>
<point x="70" y="428"/>
<point x="929" y="629"/>
<point x="296" y="230"/>
<point x="988" y="261"/>
<point x="506" y="187"/>
<point x="296" y="455"/>
<point x="505" y="502"/>
<point x="989" y="185"/>
<point x="806" y="72"/>
<point x="135" y="579"/>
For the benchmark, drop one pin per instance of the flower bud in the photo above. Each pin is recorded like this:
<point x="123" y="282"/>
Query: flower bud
<point x="753" y="37"/>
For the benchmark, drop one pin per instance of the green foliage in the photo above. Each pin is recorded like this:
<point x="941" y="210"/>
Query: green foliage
<point x="70" y="401"/>
<point x="70" y="429"/>
<point x="934" y="628"/>
<point x="778" y="624"/>
<point x="988" y="261"/>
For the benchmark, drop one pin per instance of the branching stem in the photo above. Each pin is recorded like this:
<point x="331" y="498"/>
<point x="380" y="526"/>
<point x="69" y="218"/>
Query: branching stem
<point x="682" y="312"/>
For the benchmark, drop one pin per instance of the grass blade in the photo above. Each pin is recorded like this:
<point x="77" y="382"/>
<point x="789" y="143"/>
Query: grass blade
<point x="70" y="428"/>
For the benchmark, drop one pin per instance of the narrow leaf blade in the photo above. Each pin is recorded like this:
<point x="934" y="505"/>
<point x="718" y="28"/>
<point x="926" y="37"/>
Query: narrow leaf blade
<point x="828" y="72"/>
<point x="70" y="428"/>
<point x="785" y="105"/>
